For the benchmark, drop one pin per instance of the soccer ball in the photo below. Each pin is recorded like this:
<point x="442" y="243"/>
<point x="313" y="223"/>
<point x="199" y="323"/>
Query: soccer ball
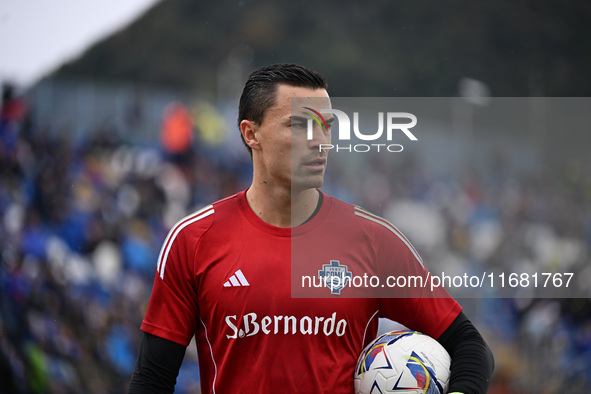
<point x="402" y="362"/>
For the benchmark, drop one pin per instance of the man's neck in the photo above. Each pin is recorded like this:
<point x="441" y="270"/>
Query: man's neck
<point x="282" y="207"/>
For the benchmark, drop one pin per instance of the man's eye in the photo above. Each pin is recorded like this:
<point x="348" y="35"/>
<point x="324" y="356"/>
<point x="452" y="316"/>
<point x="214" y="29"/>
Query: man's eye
<point x="299" y="125"/>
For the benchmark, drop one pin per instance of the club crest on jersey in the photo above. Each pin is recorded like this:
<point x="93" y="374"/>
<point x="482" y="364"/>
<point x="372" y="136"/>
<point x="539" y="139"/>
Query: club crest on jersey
<point x="335" y="276"/>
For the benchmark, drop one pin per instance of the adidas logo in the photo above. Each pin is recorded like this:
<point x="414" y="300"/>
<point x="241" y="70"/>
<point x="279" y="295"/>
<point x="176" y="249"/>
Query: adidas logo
<point x="237" y="280"/>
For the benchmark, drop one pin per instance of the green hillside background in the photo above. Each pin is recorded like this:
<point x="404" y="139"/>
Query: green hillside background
<point x="376" y="48"/>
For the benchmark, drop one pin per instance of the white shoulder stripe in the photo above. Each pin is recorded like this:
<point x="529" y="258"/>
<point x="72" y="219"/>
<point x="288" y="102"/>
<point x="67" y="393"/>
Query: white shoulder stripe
<point x="202" y="213"/>
<point x="386" y="222"/>
<point x="165" y="243"/>
<point x="374" y="218"/>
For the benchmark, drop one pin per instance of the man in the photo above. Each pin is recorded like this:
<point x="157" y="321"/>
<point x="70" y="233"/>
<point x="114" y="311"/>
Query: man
<point x="224" y="274"/>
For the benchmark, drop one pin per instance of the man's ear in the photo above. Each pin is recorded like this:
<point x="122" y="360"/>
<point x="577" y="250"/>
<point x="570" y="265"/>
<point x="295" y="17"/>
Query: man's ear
<point x="249" y="130"/>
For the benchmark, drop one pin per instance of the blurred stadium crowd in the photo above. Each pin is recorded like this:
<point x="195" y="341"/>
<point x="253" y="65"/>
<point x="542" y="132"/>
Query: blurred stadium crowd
<point x="82" y="221"/>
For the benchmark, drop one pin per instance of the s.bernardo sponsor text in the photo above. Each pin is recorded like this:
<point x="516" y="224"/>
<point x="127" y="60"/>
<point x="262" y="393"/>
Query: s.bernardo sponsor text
<point x="284" y="325"/>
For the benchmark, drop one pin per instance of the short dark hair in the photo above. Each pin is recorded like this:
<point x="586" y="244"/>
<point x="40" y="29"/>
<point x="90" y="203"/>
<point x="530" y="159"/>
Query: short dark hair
<point x="261" y="87"/>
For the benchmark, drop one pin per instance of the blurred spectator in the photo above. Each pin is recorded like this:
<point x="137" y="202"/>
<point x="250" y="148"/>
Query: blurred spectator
<point x="177" y="133"/>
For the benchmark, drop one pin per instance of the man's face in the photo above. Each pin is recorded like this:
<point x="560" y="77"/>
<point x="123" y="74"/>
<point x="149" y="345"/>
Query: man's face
<point x="286" y="154"/>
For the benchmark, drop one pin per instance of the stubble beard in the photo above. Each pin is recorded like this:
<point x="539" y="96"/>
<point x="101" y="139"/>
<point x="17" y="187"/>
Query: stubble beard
<point x="303" y="178"/>
<point x="300" y="182"/>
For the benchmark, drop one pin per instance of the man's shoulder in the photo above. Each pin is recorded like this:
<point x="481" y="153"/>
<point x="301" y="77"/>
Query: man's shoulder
<point x="228" y="203"/>
<point x="373" y="225"/>
<point x="203" y="219"/>
<point x="379" y="228"/>
<point x="357" y="214"/>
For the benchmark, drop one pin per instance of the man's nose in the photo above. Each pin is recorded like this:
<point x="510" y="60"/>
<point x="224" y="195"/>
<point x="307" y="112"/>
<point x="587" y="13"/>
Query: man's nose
<point x="319" y="136"/>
